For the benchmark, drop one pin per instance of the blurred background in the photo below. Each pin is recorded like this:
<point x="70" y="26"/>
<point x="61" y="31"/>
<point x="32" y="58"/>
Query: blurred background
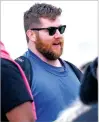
<point x="80" y="37"/>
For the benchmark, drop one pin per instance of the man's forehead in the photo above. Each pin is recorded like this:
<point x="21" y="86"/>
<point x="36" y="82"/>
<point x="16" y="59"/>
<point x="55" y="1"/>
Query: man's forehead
<point x="45" y="22"/>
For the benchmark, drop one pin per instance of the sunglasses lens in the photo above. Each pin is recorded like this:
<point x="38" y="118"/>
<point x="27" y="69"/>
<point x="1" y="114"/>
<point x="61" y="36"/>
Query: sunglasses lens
<point x="62" y="29"/>
<point x="52" y="31"/>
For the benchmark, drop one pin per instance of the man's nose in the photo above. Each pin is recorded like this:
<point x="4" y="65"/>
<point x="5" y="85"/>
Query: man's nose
<point x="57" y="34"/>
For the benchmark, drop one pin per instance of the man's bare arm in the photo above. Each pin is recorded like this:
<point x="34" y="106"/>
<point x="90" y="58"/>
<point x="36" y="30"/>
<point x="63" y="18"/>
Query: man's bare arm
<point x="21" y="113"/>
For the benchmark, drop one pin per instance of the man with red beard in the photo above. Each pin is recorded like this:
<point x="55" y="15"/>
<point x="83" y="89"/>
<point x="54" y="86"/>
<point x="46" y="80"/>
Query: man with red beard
<point x="54" y="84"/>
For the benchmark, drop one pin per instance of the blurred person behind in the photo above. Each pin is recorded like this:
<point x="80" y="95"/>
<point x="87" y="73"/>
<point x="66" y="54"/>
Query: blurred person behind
<point x="84" y="66"/>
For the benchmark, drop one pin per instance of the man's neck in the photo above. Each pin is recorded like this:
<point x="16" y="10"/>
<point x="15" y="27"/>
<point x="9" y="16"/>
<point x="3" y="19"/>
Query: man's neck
<point x="55" y="63"/>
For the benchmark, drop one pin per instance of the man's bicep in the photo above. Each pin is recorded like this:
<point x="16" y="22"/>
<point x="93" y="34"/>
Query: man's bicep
<point x="21" y="113"/>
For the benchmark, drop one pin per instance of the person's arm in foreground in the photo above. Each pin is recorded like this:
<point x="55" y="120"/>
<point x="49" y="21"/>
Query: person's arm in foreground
<point x="16" y="100"/>
<point x="21" y="113"/>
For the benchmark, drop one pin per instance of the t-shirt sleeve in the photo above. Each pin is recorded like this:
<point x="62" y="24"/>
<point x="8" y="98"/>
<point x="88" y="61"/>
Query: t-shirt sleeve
<point x="13" y="89"/>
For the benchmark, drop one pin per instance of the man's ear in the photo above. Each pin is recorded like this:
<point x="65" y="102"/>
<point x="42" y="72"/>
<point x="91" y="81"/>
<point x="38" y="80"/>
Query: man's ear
<point x="31" y="35"/>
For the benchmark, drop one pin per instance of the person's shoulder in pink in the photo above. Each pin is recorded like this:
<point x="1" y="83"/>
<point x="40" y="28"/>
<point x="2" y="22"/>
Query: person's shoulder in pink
<point x="16" y="98"/>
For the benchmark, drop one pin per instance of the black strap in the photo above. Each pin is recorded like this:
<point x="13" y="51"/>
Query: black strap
<point x="76" y="70"/>
<point x="26" y="66"/>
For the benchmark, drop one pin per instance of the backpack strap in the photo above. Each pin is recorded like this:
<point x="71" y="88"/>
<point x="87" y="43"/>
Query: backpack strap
<point x="26" y="67"/>
<point x="76" y="70"/>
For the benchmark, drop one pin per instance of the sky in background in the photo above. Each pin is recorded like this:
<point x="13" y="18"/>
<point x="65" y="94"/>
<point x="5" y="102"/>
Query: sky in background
<point x="80" y="37"/>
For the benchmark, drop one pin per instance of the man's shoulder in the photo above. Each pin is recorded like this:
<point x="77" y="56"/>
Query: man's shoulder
<point x="72" y="65"/>
<point x="75" y="69"/>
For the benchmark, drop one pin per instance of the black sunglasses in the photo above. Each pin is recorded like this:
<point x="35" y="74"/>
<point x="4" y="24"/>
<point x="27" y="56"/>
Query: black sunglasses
<point x="52" y="30"/>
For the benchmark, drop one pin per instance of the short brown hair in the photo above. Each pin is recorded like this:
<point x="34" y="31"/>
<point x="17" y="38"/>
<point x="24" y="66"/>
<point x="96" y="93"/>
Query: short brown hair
<point x="31" y="16"/>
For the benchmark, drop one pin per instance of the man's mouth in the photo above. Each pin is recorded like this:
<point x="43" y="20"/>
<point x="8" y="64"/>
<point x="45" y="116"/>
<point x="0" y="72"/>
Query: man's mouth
<point x="58" y="43"/>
